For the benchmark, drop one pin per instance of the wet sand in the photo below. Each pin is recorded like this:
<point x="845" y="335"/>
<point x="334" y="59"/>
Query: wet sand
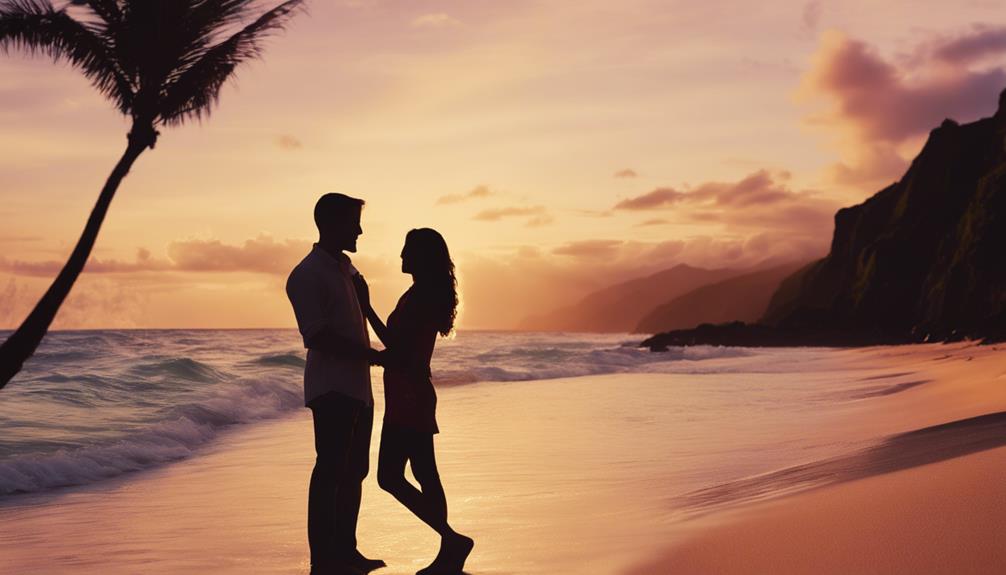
<point x="947" y="517"/>
<point x="928" y="501"/>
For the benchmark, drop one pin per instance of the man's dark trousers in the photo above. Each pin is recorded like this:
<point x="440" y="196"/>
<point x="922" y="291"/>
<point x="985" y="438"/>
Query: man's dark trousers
<point x="342" y="429"/>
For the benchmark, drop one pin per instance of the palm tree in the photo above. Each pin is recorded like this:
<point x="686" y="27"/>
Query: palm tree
<point x="161" y="62"/>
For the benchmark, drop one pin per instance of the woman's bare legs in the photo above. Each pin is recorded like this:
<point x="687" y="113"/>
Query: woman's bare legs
<point x="429" y="504"/>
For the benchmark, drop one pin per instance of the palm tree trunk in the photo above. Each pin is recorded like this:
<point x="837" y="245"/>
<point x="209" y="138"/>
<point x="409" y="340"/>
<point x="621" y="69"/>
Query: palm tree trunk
<point x="23" y="342"/>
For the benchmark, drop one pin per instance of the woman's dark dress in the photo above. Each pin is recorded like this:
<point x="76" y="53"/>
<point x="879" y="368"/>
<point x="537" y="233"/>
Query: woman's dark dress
<point x="409" y="398"/>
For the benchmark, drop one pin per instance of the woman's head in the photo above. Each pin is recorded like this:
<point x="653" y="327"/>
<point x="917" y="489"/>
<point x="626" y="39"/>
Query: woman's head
<point x="426" y="257"/>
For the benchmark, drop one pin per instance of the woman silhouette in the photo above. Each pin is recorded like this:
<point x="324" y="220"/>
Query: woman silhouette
<point x="427" y="308"/>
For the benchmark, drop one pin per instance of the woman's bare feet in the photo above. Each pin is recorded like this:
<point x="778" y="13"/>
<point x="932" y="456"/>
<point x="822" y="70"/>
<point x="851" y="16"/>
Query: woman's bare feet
<point x="364" y="564"/>
<point x="454" y="551"/>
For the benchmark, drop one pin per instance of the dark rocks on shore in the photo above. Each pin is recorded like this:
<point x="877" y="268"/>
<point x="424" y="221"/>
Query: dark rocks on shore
<point x="739" y="334"/>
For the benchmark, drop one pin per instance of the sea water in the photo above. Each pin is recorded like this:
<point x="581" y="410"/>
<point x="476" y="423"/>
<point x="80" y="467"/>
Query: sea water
<point x="93" y="405"/>
<point x="187" y="451"/>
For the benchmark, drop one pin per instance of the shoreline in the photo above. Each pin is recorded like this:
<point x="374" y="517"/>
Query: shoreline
<point x="928" y="500"/>
<point x="944" y="517"/>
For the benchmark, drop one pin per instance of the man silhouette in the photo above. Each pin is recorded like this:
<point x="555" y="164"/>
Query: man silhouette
<point x="336" y="385"/>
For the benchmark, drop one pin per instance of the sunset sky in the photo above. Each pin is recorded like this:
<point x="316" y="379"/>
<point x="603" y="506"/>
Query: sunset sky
<point x="559" y="146"/>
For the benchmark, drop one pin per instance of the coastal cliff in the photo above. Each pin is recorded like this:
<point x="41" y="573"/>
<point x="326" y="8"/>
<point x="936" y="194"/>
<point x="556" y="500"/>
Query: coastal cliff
<point x="923" y="259"/>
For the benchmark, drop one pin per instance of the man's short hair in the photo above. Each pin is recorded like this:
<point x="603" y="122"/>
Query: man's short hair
<point x="333" y="207"/>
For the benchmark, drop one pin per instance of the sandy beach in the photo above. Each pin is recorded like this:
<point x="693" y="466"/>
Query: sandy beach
<point x="947" y="516"/>
<point x="594" y="475"/>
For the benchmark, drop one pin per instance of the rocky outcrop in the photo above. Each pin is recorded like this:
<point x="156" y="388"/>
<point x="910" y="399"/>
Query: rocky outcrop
<point x="923" y="259"/>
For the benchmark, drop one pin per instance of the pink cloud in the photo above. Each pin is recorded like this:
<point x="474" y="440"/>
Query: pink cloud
<point x="50" y="268"/>
<point x="658" y="198"/>
<point x="756" y="188"/>
<point x="262" y="254"/>
<point x="756" y="203"/>
<point x="259" y="255"/>
<point x="879" y="104"/>
<point x="654" y="222"/>
<point x="476" y="193"/>
<point x="589" y="249"/>
<point x="877" y="99"/>
<point x="496" y="214"/>
<point x="977" y="44"/>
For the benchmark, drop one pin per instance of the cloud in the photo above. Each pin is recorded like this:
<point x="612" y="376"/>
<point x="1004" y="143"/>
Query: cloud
<point x="50" y="268"/>
<point x="594" y="249"/>
<point x="259" y="255"/>
<point x="875" y="97"/>
<point x="262" y="254"/>
<point x="654" y="222"/>
<point x="478" y="192"/>
<point x="757" y="188"/>
<point x="981" y="42"/>
<point x="288" y="142"/>
<point x="437" y="20"/>
<point x="757" y="203"/>
<point x="626" y="173"/>
<point x="497" y="214"/>
<point x="658" y="198"/>
<point x="879" y="108"/>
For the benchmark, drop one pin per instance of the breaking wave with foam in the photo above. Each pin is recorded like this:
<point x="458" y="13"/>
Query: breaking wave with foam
<point x="94" y="405"/>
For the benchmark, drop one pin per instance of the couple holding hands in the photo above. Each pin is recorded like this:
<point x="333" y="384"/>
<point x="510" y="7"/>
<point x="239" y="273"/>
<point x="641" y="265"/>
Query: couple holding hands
<point x="331" y="301"/>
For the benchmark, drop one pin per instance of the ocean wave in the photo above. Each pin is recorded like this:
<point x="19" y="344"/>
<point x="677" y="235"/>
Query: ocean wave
<point x="142" y="399"/>
<point x="282" y="359"/>
<point x="527" y="364"/>
<point x="183" y="430"/>
<point x="183" y="368"/>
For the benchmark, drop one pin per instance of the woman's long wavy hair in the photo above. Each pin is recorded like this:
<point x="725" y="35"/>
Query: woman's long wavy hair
<point x="434" y="273"/>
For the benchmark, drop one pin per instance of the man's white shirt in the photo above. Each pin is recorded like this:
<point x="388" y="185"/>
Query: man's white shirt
<point x="321" y="290"/>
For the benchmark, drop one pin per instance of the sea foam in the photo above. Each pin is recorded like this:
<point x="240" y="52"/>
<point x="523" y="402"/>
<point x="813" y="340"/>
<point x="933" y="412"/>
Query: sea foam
<point x="94" y="405"/>
<point x="184" y="429"/>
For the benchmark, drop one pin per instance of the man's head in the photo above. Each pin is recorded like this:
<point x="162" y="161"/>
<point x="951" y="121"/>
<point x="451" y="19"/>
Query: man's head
<point x="338" y="219"/>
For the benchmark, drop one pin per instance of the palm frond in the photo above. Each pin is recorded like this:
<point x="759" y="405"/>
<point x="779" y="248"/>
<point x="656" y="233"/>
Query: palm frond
<point x="209" y="18"/>
<point x="192" y="93"/>
<point x="204" y="24"/>
<point x="36" y="27"/>
<point x="107" y="10"/>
